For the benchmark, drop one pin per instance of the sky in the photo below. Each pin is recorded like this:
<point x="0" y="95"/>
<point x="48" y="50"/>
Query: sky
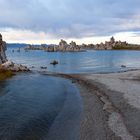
<point x="84" y="21"/>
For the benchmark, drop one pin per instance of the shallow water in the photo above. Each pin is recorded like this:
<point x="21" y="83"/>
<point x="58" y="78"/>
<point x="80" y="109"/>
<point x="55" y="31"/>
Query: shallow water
<point x="38" y="107"/>
<point x="79" y="62"/>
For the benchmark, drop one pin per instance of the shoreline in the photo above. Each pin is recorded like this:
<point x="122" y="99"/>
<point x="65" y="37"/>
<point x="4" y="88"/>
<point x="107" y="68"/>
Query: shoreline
<point x="109" y="112"/>
<point x="111" y="104"/>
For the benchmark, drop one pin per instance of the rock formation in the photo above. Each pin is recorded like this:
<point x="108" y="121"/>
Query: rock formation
<point x="3" y="48"/>
<point x="8" y="65"/>
<point x="63" y="47"/>
<point x="73" y="47"/>
<point x="110" y="45"/>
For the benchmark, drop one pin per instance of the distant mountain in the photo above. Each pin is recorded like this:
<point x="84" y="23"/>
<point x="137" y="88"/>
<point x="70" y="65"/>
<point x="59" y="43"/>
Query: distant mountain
<point x="16" y="45"/>
<point x="21" y="45"/>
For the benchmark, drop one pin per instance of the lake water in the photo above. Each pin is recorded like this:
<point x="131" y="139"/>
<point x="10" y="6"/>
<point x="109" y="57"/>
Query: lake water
<point x="78" y="62"/>
<point x="39" y="107"/>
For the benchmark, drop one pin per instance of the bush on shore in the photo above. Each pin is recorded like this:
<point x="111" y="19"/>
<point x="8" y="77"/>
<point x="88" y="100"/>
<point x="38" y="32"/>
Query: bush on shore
<point x="4" y="74"/>
<point x="126" y="47"/>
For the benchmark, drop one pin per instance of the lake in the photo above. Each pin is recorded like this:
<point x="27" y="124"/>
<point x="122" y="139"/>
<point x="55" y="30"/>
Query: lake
<point x="78" y="62"/>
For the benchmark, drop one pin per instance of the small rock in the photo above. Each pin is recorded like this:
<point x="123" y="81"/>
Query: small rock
<point x="54" y="62"/>
<point x="43" y="67"/>
<point x="123" y="66"/>
<point x="73" y="81"/>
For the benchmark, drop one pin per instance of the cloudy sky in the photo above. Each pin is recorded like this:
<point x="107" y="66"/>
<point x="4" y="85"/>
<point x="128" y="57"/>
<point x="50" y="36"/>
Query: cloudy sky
<point x="85" y="21"/>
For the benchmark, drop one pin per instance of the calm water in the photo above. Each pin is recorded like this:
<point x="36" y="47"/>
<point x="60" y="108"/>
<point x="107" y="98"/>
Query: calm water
<point x="79" y="62"/>
<point x="37" y="107"/>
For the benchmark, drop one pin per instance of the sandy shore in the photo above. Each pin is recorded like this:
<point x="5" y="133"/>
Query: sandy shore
<point x="111" y="105"/>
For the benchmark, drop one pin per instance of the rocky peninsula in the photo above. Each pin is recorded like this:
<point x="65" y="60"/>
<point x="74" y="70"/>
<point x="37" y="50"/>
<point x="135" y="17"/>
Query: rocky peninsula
<point x="6" y="66"/>
<point x="73" y="47"/>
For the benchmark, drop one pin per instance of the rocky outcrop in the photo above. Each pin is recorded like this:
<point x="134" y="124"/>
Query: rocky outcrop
<point x="64" y="47"/>
<point x="3" y="48"/>
<point x="87" y="46"/>
<point x="9" y="65"/>
<point x="73" y="47"/>
<point x="110" y="45"/>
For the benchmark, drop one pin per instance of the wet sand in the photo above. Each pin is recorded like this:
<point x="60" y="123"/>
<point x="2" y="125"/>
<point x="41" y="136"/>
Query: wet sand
<point x="111" y="105"/>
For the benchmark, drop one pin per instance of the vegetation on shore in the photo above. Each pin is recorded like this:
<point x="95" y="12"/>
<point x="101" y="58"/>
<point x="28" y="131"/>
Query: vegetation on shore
<point x="126" y="47"/>
<point x="5" y="74"/>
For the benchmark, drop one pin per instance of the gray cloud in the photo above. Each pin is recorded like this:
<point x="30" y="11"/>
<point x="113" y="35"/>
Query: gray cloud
<point x="71" y="18"/>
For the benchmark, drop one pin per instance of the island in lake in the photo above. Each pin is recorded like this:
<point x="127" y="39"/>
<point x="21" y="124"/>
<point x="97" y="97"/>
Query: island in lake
<point x="73" y="47"/>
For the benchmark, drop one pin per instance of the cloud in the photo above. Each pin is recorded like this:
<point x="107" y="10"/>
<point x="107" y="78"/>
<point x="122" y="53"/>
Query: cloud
<point x="71" y="18"/>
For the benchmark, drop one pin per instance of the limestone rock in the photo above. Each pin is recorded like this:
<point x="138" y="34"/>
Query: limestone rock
<point x="63" y="45"/>
<point x="109" y="45"/>
<point x="2" y="50"/>
<point x="9" y="65"/>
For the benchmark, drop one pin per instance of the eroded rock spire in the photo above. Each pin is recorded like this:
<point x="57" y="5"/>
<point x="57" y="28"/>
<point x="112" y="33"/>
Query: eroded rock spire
<point x="3" y="48"/>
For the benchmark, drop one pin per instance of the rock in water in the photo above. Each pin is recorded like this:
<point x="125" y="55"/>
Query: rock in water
<point x="54" y="62"/>
<point x="3" y="48"/>
<point x="43" y="67"/>
<point x="123" y="66"/>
